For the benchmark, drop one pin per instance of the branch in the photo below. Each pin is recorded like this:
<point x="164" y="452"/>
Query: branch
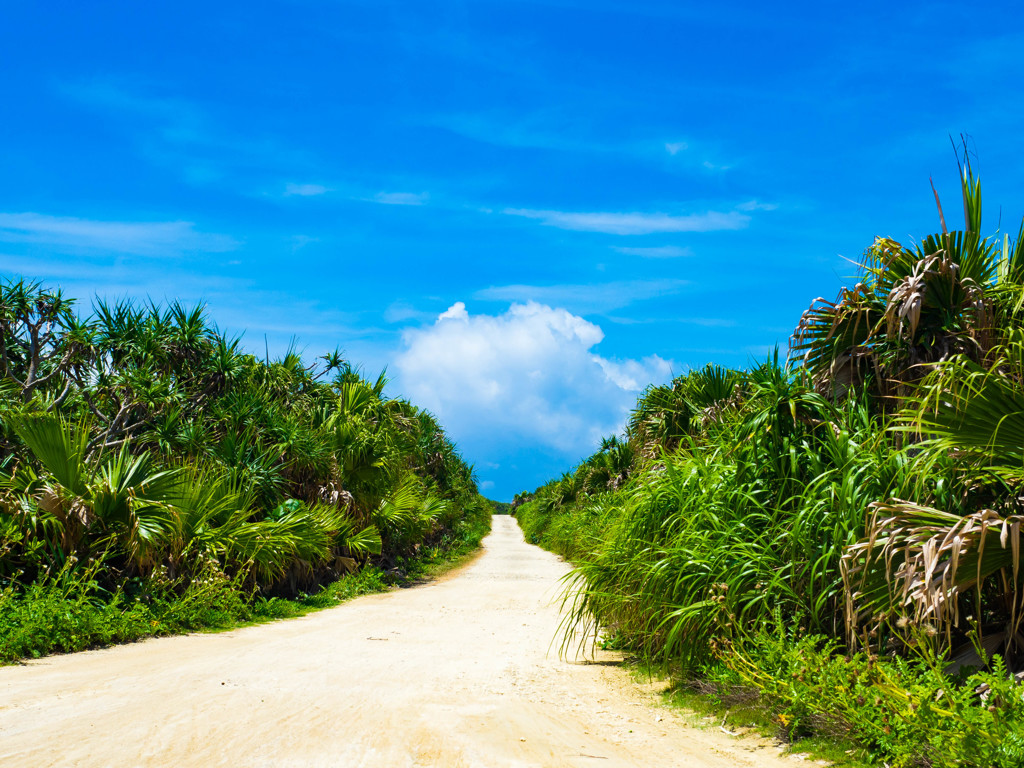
<point x="58" y="369"/>
<point x="61" y="398"/>
<point x="92" y="406"/>
<point x="33" y="358"/>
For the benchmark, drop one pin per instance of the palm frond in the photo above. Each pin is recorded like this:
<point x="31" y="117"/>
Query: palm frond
<point x="59" y="445"/>
<point x="915" y="562"/>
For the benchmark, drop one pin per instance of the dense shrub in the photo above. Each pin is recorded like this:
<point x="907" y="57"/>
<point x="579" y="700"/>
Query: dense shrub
<point x="156" y="478"/>
<point x="832" y="531"/>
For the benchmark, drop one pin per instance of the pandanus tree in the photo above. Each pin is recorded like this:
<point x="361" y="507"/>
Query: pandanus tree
<point x="667" y="415"/>
<point x="945" y="350"/>
<point x="912" y="307"/>
<point x="39" y="337"/>
<point x="910" y="389"/>
<point x="80" y="502"/>
<point x="143" y="435"/>
<point x="610" y="467"/>
<point x="924" y="566"/>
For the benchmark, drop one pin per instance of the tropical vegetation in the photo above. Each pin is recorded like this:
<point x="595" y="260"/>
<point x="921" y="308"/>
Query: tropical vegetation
<point x="837" y="534"/>
<point x="155" y="477"/>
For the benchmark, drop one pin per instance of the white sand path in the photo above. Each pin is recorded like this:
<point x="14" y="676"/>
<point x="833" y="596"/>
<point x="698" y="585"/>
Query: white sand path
<point x="457" y="672"/>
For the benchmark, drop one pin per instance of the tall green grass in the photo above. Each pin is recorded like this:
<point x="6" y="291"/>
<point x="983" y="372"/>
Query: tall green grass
<point x="710" y="534"/>
<point x="720" y="560"/>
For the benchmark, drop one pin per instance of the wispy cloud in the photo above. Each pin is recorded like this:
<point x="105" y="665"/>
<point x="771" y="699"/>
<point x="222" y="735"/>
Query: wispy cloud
<point x="635" y="223"/>
<point x="708" y="322"/>
<point x="298" y="242"/>
<point x="305" y="190"/>
<point x="542" y="130"/>
<point x="704" y="322"/>
<point x="756" y="205"/>
<point x="715" y="167"/>
<point x="401" y="198"/>
<point x="403" y="311"/>
<point x="123" y="275"/>
<point x="561" y="130"/>
<point x="597" y="297"/>
<point x="656" y="252"/>
<point x="179" y="134"/>
<point x="161" y="238"/>
<point x="180" y="120"/>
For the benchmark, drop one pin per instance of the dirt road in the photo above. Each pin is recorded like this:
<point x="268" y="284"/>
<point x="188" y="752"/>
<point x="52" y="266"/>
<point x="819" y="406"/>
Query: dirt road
<point x="454" y="673"/>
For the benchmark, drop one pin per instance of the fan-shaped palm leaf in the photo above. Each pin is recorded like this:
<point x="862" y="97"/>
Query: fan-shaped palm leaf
<point x="59" y="445"/>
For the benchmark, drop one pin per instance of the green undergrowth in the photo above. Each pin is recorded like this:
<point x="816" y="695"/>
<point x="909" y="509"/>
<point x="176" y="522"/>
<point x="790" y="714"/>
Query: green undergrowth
<point x="848" y="709"/>
<point x="455" y="548"/>
<point x="741" y="712"/>
<point x="858" y="710"/>
<point x="69" y="610"/>
<point x="715" y="703"/>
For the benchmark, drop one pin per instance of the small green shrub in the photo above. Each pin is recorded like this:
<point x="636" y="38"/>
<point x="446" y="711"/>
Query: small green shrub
<point x="64" y="612"/>
<point x="211" y="600"/>
<point x="904" y="712"/>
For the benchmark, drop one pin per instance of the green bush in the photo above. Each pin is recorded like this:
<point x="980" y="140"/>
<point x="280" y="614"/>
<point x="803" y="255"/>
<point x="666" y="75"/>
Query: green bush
<point x="66" y="612"/>
<point x="905" y="712"/>
<point x="69" y="610"/>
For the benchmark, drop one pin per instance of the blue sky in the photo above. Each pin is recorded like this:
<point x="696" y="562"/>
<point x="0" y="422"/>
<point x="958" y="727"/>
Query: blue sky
<point x="527" y="211"/>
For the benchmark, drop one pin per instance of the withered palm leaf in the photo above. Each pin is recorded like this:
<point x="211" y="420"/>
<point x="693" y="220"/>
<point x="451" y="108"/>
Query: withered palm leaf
<point x="834" y="336"/>
<point x="915" y="562"/>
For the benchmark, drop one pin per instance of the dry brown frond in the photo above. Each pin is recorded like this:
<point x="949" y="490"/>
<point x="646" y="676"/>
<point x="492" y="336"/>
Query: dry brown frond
<point x="915" y="562"/>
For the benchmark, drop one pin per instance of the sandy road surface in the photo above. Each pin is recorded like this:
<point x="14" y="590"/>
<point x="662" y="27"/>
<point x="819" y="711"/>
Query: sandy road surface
<point x="453" y="673"/>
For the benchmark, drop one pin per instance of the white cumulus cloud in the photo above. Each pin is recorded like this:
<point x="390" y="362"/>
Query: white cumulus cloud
<point x="528" y="374"/>
<point x="456" y="311"/>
